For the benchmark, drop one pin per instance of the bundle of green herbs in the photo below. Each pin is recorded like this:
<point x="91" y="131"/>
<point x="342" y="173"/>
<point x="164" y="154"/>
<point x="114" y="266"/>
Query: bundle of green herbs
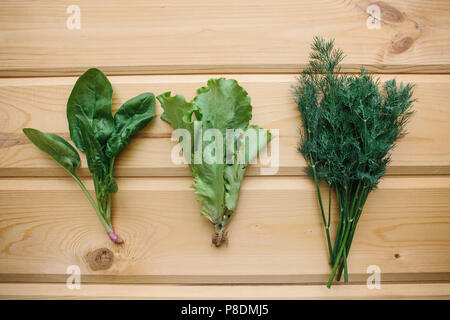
<point x="349" y="125"/>
<point x="101" y="136"/>
<point x="216" y="121"/>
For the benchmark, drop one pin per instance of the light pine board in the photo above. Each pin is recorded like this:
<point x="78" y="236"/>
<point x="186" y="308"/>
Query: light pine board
<point x="275" y="236"/>
<point x="41" y="103"/>
<point x="137" y="37"/>
<point x="96" y="291"/>
<point x="277" y="247"/>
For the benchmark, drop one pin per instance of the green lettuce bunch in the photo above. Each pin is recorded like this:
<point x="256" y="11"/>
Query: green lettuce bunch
<point x="222" y="105"/>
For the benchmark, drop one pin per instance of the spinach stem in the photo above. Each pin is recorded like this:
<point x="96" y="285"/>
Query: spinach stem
<point x="339" y="229"/>
<point x="106" y="223"/>
<point x="94" y="205"/>
<point x="108" y="208"/>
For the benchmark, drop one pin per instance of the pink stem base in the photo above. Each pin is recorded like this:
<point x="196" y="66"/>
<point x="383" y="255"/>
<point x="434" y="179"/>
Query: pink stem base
<point x="114" y="237"/>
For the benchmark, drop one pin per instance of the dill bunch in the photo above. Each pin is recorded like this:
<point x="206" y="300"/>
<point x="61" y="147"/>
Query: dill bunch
<point x="349" y="125"/>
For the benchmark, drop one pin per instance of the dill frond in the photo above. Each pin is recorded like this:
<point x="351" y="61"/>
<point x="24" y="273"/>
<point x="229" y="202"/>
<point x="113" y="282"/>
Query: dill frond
<point x="349" y="125"/>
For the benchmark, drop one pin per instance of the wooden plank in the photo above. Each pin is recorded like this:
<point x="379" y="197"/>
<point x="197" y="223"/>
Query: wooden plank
<point x="40" y="103"/>
<point x="106" y="291"/>
<point x="161" y="37"/>
<point x="46" y="224"/>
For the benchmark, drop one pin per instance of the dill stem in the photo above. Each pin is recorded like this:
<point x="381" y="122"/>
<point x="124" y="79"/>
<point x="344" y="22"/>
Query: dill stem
<point x="327" y="229"/>
<point x="329" y="203"/>
<point x="346" y="221"/>
<point x="358" y="215"/>
<point x="355" y="218"/>
<point x="338" y="257"/>
<point x="339" y="229"/>
<point x="345" y="266"/>
<point x="351" y="215"/>
<point x="343" y="207"/>
<point x="355" y="197"/>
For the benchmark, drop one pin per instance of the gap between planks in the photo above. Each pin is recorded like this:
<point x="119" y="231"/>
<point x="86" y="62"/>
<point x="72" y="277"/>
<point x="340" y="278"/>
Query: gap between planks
<point x="225" y="70"/>
<point x="268" y="279"/>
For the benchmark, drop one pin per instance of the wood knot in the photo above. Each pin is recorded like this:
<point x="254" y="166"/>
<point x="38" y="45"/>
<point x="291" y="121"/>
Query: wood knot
<point x="402" y="45"/>
<point x="389" y="13"/>
<point x="100" y="259"/>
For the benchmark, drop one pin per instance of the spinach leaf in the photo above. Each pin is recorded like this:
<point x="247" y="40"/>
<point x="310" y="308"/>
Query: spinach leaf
<point x="56" y="147"/>
<point x="94" y="131"/>
<point x="132" y="116"/>
<point x="91" y="98"/>
<point x="97" y="161"/>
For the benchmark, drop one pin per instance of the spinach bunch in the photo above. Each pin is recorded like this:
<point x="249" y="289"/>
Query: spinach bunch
<point x="222" y="106"/>
<point x="349" y="126"/>
<point x="101" y="136"/>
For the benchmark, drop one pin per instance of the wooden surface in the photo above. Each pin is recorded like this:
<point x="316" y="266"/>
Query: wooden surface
<point x="175" y="36"/>
<point x="278" y="229"/>
<point x="422" y="151"/>
<point x="276" y="247"/>
<point x="107" y="291"/>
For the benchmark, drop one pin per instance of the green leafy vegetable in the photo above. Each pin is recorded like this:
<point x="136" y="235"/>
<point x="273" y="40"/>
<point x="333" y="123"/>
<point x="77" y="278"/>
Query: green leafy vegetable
<point x="222" y="105"/>
<point x="58" y="148"/>
<point x="349" y="126"/>
<point x="94" y="131"/>
<point x="91" y="98"/>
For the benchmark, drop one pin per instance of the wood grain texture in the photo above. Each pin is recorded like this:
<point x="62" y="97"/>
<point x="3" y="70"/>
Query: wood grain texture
<point x="105" y="291"/>
<point x="47" y="224"/>
<point x="41" y="103"/>
<point x="277" y="248"/>
<point x="161" y="37"/>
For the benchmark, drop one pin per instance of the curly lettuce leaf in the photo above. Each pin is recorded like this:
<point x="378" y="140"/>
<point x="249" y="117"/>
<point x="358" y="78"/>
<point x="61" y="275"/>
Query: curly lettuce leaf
<point x="234" y="173"/>
<point x="175" y="110"/>
<point x="223" y="104"/>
